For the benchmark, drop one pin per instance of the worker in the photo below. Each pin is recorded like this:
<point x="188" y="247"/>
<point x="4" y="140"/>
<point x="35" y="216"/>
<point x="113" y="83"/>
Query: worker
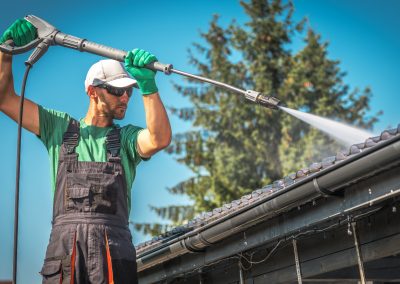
<point x="93" y="164"/>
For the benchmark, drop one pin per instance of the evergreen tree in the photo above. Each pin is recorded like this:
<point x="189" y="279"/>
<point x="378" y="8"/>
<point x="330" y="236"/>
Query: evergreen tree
<point x="238" y="146"/>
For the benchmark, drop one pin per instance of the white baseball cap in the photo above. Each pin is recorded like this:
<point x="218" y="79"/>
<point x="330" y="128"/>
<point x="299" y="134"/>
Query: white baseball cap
<point x="111" y="72"/>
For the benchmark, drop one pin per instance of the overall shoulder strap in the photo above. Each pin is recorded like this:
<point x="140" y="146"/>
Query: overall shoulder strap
<point x="71" y="136"/>
<point x="113" y="143"/>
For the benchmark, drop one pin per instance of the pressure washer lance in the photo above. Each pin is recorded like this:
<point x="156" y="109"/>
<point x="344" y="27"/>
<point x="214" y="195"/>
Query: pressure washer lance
<point x="49" y="35"/>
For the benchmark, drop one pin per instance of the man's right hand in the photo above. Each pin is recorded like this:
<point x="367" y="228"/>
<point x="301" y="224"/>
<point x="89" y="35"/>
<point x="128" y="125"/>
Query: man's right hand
<point x="21" y="32"/>
<point x="135" y="61"/>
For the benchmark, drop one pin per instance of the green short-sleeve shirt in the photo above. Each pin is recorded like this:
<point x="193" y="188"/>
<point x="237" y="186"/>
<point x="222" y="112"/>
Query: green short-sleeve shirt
<point x="91" y="147"/>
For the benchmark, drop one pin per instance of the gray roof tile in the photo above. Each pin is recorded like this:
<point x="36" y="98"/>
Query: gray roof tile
<point x="370" y="143"/>
<point x="354" y="150"/>
<point x="386" y="135"/>
<point x="329" y="161"/>
<point x="289" y="180"/>
<point x="315" y="167"/>
<point x="340" y="156"/>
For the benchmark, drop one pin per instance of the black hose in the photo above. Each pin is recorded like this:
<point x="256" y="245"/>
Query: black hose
<point x="16" y="207"/>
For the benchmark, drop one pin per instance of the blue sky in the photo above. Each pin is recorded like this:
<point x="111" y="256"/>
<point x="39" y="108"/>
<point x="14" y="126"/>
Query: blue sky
<point x="362" y="34"/>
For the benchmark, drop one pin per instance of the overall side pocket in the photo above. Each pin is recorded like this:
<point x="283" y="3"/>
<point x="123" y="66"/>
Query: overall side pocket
<point x="57" y="270"/>
<point x="51" y="271"/>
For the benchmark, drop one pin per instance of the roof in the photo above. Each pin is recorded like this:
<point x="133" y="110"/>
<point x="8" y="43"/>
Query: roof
<point x="259" y="195"/>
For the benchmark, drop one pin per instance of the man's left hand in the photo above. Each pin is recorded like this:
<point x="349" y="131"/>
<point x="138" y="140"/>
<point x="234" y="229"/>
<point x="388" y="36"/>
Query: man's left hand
<point x="134" y="64"/>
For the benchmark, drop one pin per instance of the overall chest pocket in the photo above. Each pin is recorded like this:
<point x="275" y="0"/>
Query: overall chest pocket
<point x="91" y="193"/>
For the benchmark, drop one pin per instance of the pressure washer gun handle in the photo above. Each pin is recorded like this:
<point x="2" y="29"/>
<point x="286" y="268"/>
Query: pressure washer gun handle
<point x="41" y="48"/>
<point x="9" y="47"/>
<point x="44" y="39"/>
<point x="39" y="51"/>
<point x="102" y="50"/>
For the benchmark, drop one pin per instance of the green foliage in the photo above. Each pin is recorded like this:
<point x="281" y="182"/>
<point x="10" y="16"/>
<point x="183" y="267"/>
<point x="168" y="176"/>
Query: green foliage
<point x="151" y="228"/>
<point x="238" y="146"/>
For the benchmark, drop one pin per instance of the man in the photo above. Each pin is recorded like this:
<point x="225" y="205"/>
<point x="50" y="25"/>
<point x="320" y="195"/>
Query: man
<point x="93" y="164"/>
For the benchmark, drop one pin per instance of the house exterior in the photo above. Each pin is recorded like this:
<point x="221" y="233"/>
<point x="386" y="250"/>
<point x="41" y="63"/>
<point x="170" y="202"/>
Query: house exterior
<point x="337" y="221"/>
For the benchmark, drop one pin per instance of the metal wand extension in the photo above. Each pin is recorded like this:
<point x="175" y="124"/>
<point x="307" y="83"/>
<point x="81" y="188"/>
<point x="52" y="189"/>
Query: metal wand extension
<point x="49" y="35"/>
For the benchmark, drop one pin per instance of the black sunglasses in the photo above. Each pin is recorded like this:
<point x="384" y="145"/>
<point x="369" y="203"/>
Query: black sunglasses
<point x="118" y="92"/>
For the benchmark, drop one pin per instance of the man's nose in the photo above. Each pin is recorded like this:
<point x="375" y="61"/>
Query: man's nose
<point x="125" y="97"/>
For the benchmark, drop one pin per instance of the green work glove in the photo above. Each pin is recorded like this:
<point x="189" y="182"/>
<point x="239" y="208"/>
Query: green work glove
<point x="21" y="32"/>
<point x="134" y="62"/>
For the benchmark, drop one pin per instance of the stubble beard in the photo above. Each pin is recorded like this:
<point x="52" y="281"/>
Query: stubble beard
<point x="119" y="113"/>
<point x="115" y="112"/>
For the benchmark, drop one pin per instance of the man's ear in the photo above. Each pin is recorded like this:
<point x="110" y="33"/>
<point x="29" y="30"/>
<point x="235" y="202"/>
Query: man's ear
<point x="91" y="92"/>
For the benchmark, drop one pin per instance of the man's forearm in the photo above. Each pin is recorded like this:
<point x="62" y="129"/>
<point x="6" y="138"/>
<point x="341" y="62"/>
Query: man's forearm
<point x="6" y="77"/>
<point x="9" y="101"/>
<point x="158" y="133"/>
<point x="157" y="121"/>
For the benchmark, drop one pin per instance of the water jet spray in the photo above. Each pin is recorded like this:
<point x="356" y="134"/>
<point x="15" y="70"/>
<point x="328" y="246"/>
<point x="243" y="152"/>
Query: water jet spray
<point x="343" y="133"/>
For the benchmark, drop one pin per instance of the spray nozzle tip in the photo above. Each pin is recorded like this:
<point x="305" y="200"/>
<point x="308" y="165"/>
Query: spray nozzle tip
<point x="266" y="101"/>
<point x="269" y="102"/>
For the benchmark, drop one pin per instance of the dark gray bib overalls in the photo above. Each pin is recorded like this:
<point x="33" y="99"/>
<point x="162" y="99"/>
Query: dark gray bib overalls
<point x="90" y="241"/>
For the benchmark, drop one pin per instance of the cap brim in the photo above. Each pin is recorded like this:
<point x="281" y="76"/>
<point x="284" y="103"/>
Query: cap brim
<point x="123" y="83"/>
